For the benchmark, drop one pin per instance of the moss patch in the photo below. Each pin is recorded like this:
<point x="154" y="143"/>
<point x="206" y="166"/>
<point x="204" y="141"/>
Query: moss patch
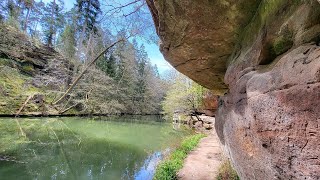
<point x="268" y="18"/>
<point x="14" y="90"/>
<point x="28" y="69"/>
<point x="281" y="45"/>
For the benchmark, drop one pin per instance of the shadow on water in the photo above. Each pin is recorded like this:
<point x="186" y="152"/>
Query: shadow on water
<point x="73" y="148"/>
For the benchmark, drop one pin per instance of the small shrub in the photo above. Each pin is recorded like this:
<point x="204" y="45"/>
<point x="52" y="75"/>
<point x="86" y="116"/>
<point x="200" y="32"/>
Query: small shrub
<point x="226" y="172"/>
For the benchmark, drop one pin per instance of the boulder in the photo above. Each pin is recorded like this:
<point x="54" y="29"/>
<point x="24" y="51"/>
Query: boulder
<point x="207" y="119"/>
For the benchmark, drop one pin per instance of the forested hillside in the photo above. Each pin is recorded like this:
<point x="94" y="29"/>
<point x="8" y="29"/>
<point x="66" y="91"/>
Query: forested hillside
<point x="44" y="48"/>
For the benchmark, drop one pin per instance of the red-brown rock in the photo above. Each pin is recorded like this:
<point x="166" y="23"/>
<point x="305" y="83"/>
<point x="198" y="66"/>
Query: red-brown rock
<point x="268" y="66"/>
<point x="210" y="104"/>
<point x="270" y="120"/>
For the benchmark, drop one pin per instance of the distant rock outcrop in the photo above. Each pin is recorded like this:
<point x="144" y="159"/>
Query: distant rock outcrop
<point x="264" y="56"/>
<point x="26" y="54"/>
<point x="27" y="69"/>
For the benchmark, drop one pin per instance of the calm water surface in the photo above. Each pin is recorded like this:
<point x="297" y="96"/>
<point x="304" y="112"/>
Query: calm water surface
<point x="83" y="148"/>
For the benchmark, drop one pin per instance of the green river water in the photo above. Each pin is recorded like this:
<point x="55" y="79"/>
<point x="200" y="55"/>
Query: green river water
<point x="85" y="148"/>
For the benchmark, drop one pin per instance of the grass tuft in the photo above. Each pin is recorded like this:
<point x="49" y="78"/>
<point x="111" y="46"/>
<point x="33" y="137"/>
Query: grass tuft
<point x="226" y="172"/>
<point x="167" y="170"/>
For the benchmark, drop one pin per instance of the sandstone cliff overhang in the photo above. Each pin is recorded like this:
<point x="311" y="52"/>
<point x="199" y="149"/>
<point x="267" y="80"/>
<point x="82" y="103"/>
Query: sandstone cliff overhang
<point x="201" y="38"/>
<point x="267" y="55"/>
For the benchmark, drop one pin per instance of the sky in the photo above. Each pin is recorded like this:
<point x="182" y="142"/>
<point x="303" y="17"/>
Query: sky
<point x="152" y="49"/>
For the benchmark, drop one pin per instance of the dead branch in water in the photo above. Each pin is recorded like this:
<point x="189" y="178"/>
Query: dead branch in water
<point x="17" y="115"/>
<point x="20" y="128"/>
<point x="64" y="154"/>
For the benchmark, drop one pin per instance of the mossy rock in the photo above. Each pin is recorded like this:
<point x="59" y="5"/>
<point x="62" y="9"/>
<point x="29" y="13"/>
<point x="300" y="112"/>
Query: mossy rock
<point x="28" y="69"/>
<point x="281" y="45"/>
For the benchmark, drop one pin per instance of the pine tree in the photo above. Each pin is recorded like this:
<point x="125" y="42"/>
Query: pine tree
<point x="2" y="10"/>
<point x="13" y="10"/>
<point x="35" y="19"/>
<point x="27" y="5"/>
<point x="52" y="21"/>
<point x="68" y="42"/>
<point x="141" y="88"/>
<point x="88" y="11"/>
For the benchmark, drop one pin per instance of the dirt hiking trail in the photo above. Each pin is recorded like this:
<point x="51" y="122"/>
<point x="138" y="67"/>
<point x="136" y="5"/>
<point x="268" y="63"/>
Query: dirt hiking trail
<point x="203" y="162"/>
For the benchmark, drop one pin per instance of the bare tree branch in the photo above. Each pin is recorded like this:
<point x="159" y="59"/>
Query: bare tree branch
<point x="136" y="10"/>
<point x="117" y="9"/>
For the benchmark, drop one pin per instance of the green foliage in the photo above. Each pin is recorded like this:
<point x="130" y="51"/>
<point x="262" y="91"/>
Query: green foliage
<point x="167" y="170"/>
<point x="123" y="80"/>
<point x="5" y="62"/>
<point x="226" y="172"/>
<point x="13" y="22"/>
<point x="88" y="12"/>
<point x="68" y="41"/>
<point x="14" y="89"/>
<point x="183" y="95"/>
<point x="52" y="21"/>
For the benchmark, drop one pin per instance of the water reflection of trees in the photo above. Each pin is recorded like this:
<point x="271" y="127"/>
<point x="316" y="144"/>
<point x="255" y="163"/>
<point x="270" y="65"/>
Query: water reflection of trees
<point x="53" y="150"/>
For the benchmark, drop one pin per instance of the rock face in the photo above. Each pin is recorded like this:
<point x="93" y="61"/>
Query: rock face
<point x="28" y="68"/>
<point x="197" y="37"/>
<point x="269" y="118"/>
<point x="209" y="104"/>
<point x="26" y="55"/>
<point x="269" y="122"/>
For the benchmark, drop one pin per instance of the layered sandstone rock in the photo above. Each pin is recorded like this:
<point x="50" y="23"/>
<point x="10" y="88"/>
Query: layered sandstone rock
<point x="265" y="56"/>
<point x="197" y="37"/>
<point x="209" y="104"/>
<point x="269" y="122"/>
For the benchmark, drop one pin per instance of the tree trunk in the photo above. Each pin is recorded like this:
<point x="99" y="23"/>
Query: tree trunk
<point x="26" y="20"/>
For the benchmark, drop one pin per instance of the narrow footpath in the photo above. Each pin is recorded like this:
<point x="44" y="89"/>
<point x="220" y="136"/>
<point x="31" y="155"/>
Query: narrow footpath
<point x="203" y="162"/>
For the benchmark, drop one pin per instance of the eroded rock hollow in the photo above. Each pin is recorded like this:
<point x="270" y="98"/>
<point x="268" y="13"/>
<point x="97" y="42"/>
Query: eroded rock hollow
<point x="264" y="58"/>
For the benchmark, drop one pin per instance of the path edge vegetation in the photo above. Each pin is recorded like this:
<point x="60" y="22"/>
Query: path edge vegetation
<point x="226" y="171"/>
<point x="168" y="168"/>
